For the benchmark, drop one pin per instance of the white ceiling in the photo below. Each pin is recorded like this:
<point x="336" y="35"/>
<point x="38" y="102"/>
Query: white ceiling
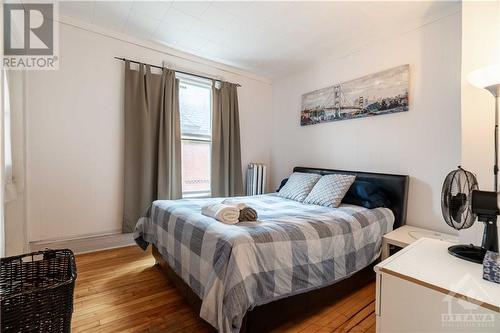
<point x="266" y="38"/>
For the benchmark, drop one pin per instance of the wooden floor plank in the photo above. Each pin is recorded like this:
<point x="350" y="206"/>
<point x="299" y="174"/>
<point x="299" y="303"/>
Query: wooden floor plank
<point x="353" y="323"/>
<point x="368" y="322"/>
<point x="121" y="290"/>
<point x="371" y="329"/>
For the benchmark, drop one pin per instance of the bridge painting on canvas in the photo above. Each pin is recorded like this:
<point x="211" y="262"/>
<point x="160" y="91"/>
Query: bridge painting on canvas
<point x="371" y="95"/>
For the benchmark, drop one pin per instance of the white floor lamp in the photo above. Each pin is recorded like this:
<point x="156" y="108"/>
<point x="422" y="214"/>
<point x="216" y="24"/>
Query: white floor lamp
<point x="489" y="78"/>
<point x="486" y="204"/>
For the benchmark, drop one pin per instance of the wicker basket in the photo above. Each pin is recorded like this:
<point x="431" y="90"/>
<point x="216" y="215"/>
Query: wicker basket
<point x="36" y="291"/>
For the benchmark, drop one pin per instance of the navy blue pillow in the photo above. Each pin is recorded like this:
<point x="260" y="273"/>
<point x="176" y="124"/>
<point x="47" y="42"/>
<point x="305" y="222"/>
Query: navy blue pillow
<point x="367" y="195"/>
<point x="283" y="182"/>
<point x="370" y="204"/>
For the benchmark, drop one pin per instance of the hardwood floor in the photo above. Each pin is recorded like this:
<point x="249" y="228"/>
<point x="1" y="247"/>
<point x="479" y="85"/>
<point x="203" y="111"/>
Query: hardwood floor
<point x="122" y="290"/>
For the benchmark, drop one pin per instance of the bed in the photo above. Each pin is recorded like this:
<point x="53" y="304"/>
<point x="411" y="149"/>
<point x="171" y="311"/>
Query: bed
<point x="252" y="276"/>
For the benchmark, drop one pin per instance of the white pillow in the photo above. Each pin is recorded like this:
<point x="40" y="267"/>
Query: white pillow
<point x="330" y="190"/>
<point x="298" y="186"/>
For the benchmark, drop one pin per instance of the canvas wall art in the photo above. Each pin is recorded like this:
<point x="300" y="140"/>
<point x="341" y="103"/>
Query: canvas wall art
<point x="371" y="95"/>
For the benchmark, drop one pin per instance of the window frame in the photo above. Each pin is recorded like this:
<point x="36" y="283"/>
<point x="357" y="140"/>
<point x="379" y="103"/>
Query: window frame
<point x="197" y="138"/>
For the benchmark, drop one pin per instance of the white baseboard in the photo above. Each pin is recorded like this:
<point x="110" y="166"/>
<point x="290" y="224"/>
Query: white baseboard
<point x="86" y="244"/>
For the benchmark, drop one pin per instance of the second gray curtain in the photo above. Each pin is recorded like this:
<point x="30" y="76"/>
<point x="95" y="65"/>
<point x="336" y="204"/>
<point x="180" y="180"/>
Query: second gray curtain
<point x="152" y="141"/>
<point x="226" y="173"/>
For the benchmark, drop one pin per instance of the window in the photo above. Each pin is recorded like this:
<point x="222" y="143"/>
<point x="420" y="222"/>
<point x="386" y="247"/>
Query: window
<point x="195" y="106"/>
<point x="10" y="192"/>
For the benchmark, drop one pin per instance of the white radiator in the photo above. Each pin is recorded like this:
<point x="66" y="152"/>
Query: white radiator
<point x="256" y="178"/>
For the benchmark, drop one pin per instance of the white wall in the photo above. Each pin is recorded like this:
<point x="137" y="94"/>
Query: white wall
<point x="423" y="143"/>
<point x="480" y="47"/>
<point x="75" y="131"/>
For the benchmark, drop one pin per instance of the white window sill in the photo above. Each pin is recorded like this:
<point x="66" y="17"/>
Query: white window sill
<point x="195" y="195"/>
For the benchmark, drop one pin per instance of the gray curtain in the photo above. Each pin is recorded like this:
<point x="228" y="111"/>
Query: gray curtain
<point x="226" y="174"/>
<point x="152" y="141"/>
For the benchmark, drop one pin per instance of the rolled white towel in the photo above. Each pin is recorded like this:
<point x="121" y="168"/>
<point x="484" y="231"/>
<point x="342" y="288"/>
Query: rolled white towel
<point x="224" y="213"/>
<point x="247" y="213"/>
<point x="239" y="205"/>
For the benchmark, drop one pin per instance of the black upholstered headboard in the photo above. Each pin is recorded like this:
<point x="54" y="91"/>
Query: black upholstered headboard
<point x="394" y="186"/>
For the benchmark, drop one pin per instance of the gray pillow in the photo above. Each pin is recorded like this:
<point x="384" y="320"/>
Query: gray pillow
<point x="298" y="186"/>
<point x="330" y="190"/>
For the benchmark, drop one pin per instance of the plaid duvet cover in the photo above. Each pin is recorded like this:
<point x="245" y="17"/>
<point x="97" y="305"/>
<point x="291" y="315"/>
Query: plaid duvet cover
<point x="293" y="248"/>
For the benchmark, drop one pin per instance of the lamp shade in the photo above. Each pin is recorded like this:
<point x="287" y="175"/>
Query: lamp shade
<point x="487" y="78"/>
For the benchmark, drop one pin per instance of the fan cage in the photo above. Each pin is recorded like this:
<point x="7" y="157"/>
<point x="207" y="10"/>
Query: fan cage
<point x="456" y="199"/>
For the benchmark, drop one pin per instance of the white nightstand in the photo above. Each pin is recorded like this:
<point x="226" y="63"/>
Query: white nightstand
<point x="407" y="234"/>
<point x="423" y="288"/>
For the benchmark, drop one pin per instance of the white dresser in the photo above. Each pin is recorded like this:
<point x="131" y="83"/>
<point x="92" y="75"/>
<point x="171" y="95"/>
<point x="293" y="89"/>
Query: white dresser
<point x="422" y="288"/>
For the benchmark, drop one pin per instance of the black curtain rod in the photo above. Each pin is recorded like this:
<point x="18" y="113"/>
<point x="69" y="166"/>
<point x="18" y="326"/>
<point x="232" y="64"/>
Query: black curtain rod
<point x="181" y="72"/>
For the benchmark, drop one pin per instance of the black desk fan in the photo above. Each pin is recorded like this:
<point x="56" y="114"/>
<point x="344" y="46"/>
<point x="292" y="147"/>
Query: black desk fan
<point x="461" y="201"/>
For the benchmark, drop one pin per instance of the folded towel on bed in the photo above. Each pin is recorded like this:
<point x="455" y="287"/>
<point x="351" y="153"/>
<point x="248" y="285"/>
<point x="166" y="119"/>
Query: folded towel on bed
<point x="221" y="212"/>
<point x="239" y="205"/>
<point x="247" y="213"/>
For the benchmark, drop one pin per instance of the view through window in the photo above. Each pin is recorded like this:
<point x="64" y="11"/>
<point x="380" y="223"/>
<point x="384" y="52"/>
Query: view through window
<point x="195" y="106"/>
